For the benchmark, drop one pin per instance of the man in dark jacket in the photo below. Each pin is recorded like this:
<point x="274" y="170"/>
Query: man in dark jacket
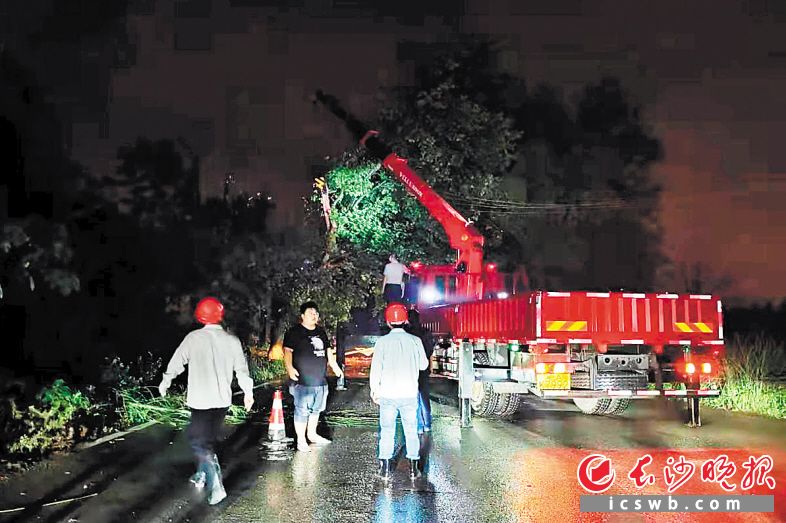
<point x="424" y="403"/>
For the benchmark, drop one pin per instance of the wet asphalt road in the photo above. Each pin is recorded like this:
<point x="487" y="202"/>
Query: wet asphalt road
<point x="522" y="469"/>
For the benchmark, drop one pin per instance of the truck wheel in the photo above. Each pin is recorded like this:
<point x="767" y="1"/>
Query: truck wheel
<point x="595" y="406"/>
<point x="484" y="399"/>
<point x="618" y="406"/>
<point x="482" y="358"/>
<point x="507" y="405"/>
<point x="600" y="406"/>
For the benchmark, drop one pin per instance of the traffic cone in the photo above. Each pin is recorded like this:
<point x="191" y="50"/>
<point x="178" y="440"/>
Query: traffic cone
<point x="275" y="428"/>
<point x="277" y="447"/>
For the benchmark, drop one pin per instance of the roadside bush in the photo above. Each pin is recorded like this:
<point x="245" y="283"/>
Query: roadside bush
<point x="62" y="416"/>
<point x="748" y="378"/>
<point x="50" y="423"/>
<point x="146" y="370"/>
<point x="262" y="369"/>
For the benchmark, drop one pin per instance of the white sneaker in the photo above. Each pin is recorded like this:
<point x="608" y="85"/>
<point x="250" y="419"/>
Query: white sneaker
<point x="302" y="446"/>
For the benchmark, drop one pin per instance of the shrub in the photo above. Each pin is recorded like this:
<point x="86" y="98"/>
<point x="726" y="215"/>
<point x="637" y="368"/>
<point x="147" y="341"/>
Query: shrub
<point x="144" y="371"/>
<point x="262" y="369"/>
<point x="50" y="423"/>
<point x="751" y="364"/>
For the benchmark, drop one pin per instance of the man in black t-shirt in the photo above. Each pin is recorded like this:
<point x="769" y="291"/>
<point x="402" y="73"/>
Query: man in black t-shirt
<point x="307" y="353"/>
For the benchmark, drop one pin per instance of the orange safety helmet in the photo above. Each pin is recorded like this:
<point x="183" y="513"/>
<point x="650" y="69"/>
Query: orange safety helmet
<point x="395" y="313"/>
<point x="209" y="310"/>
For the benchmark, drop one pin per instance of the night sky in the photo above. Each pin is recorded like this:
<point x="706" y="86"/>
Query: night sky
<point x="234" y="79"/>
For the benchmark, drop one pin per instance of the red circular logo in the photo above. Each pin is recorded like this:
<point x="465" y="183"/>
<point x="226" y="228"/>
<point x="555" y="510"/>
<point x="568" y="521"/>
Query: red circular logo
<point x="595" y="473"/>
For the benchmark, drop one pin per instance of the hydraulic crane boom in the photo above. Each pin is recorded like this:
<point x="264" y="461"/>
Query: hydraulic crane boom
<point x="462" y="235"/>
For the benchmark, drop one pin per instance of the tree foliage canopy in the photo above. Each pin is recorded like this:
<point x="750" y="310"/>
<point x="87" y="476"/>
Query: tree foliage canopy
<point x="564" y="189"/>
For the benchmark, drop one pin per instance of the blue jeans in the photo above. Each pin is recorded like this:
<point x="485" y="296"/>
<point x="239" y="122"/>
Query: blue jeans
<point x="424" y="404"/>
<point x="389" y="409"/>
<point x="424" y="413"/>
<point x="309" y="401"/>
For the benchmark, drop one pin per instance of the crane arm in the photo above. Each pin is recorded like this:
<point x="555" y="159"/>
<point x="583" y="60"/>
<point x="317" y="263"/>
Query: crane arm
<point x="462" y="235"/>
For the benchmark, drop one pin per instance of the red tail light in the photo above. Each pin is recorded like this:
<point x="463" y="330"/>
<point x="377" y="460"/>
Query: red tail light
<point x="540" y="368"/>
<point x="560" y="368"/>
<point x="706" y="368"/>
<point x="690" y="368"/>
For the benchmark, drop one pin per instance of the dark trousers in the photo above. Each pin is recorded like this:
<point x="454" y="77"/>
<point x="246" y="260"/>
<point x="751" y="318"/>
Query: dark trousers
<point x="204" y="430"/>
<point x="393" y="293"/>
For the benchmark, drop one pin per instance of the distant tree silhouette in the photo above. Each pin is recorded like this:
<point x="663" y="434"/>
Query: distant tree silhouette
<point x="156" y="183"/>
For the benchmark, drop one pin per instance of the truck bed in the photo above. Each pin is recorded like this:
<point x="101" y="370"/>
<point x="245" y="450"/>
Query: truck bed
<point x="581" y="317"/>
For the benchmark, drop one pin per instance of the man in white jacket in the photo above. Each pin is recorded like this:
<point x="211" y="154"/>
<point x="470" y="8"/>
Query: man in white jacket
<point x="212" y="355"/>
<point x="397" y="361"/>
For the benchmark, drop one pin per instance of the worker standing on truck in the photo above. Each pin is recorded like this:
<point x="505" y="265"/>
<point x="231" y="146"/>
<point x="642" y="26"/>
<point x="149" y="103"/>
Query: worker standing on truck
<point x="397" y="361"/>
<point x="212" y="355"/>
<point x="393" y="280"/>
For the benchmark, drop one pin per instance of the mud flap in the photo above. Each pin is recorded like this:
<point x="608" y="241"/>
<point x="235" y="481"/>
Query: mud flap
<point x="695" y="412"/>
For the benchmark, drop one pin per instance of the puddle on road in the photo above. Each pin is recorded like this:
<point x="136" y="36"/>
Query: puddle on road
<point x="281" y="450"/>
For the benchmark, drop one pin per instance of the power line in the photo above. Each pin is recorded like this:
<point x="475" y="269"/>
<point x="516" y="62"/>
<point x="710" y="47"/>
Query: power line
<point x="508" y="207"/>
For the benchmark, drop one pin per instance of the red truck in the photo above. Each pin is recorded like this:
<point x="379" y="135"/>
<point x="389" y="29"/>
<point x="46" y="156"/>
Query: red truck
<point x="499" y="339"/>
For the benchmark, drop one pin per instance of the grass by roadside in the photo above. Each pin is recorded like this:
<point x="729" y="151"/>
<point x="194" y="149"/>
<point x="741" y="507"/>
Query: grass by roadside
<point x="144" y="404"/>
<point x="749" y="372"/>
<point x="61" y="415"/>
<point x="140" y="405"/>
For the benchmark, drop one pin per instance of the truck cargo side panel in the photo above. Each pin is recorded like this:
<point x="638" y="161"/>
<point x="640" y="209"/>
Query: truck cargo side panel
<point x="508" y="319"/>
<point x="583" y="317"/>
<point x="634" y="318"/>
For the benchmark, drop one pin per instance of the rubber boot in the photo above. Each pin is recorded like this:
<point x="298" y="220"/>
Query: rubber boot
<point x="384" y="469"/>
<point x="414" y="468"/>
<point x="199" y="478"/>
<point x="215" y="483"/>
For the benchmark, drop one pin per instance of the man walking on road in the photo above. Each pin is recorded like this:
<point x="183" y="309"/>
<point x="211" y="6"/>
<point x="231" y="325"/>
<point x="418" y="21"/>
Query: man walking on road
<point x="212" y="355"/>
<point x="397" y="361"/>
<point x="306" y="356"/>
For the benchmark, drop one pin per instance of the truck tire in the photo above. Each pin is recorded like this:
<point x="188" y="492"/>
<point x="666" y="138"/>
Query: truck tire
<point x="593" y="406"/>
<point x="618" y="406"/>
<point x="507" y="405"/>
<point x="484" y="400"/>
<point x="601" y="406"/>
